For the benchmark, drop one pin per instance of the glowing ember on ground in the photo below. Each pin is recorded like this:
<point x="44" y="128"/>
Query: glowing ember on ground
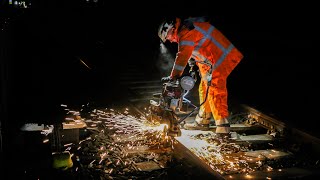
<point x="225" y="157"/>
<point x="121" y="145"/>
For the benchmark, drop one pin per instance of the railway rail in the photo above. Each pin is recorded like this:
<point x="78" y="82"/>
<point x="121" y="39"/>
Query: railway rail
<point x="118" y="143"/>
<point x="261" y="147"/>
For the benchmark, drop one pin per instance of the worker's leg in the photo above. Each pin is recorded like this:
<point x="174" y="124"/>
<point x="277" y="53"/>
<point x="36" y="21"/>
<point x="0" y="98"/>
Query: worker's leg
<point x="203" y="117"/>
<point x="219" y="105"/>
<point x="204" y="114"/>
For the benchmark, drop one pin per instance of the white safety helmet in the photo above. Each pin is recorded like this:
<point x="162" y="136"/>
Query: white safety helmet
<point x="164" y="28"/>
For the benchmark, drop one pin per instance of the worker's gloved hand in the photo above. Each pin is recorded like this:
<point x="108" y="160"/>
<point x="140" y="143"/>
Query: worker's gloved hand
<point x="166" y="79"/>
<point x="191" y="62"/>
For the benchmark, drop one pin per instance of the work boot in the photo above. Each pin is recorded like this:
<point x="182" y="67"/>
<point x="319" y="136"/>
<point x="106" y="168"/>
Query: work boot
<point x="223" y="128"/>
<point x="204" y="118"/>
<point x="198" y="124"/>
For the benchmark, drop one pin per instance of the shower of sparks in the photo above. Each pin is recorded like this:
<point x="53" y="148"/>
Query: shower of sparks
<point x="120" y="141"/>
<point x="227" y="158"/>
<point x="84" y="63"/>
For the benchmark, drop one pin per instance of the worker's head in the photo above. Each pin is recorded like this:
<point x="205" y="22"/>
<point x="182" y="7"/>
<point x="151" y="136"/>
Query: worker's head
<point x="168" y="30"/>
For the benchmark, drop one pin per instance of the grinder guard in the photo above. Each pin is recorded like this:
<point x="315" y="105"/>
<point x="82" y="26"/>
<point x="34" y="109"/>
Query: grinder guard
<point x="171" y="101"/>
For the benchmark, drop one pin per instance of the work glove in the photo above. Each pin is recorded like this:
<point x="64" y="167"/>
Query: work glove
<point x="191" y="62"/>
<point x="166" y="79"/>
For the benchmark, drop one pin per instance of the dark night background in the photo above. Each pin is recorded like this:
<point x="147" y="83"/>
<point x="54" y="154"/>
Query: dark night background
<point x="41" y="48"/>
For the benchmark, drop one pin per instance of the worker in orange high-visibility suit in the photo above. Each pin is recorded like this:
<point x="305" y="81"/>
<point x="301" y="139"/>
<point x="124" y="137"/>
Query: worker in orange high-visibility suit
<point x="215" y="56"/>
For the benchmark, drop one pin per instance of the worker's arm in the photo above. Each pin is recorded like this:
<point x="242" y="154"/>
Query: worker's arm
<point x="184" y="53"/>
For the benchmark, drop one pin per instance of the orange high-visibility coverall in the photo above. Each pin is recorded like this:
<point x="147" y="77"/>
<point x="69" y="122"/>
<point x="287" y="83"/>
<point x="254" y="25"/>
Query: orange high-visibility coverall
<point x="215" y="56"/>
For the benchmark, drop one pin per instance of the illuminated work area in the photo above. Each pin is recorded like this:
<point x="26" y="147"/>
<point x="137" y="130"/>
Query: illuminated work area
<point x="91" y="90"/>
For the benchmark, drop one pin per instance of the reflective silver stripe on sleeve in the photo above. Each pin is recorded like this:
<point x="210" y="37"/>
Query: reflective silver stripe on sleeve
<point x="178" y="67"/>
<point x="186" y="43"/>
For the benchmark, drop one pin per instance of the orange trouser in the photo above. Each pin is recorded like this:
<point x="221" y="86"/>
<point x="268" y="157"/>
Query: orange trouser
<point x="217" y="100"/>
